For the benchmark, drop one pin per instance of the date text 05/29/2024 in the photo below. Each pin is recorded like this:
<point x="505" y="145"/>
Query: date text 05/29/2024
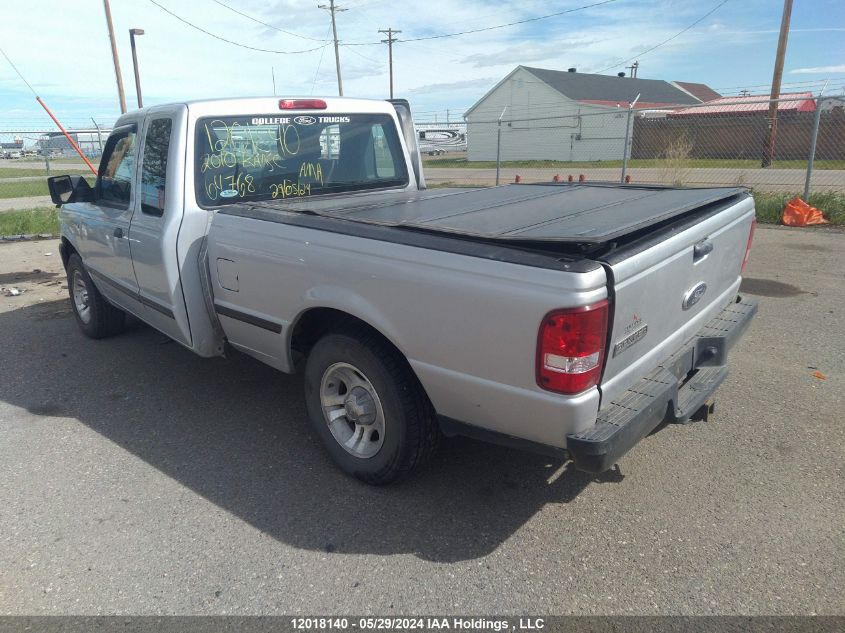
<point x="417" y="623"/>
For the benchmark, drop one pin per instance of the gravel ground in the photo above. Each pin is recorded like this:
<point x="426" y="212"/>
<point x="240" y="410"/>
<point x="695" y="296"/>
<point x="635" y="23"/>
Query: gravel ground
<point x="136" y="478"/>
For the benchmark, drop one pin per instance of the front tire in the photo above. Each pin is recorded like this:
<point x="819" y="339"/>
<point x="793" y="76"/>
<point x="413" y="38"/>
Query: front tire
<point x="368" y="408"/>
<point x="95" y="316"/>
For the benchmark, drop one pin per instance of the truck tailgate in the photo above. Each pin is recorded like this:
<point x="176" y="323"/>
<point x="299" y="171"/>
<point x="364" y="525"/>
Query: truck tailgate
<point x="667" y="287"/>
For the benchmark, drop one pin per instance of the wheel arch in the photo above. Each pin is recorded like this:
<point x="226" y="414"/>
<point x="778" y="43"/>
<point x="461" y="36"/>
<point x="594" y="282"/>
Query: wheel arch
<point x="66" y="249"/>
<point x="315" y="322"/>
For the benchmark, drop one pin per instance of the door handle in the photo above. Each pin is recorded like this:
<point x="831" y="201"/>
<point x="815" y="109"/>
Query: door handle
<point x="702" y="249"/>
<point x="118" y="232"/>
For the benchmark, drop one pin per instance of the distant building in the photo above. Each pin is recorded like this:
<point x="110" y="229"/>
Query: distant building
<point x="789" y="103"/>
<point x="701" y="92"/>
<point x="439" y="138"/>
<point x="88" y="139"/>
<point x="831" y="104"/>
<point x="737" y="128"/>
<point x="12" y="150"/>
<point x="564" y="115"/>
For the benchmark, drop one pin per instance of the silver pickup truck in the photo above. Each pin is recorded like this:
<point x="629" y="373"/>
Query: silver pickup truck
<point x="569" y="318"/>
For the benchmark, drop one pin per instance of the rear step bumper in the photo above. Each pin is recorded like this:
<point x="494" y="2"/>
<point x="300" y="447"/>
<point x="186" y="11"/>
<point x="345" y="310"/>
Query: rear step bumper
<point x="673" y="392"/>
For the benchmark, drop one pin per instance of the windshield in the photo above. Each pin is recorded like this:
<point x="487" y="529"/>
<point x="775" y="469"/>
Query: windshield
<point x="272" y="157"/>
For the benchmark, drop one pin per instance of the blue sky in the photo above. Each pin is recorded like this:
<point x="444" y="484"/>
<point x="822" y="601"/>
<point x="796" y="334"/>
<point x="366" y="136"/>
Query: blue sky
<point x="62" y="48"/>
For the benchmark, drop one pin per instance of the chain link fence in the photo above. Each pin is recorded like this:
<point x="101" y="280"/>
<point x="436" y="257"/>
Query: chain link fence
<point x="727" y="142"/>
<point x="28" y="155"/>
<point x="721" y="143"/>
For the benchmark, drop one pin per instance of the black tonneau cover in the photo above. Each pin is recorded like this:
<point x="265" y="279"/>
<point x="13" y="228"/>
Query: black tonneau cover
<point x="548" y="212"/>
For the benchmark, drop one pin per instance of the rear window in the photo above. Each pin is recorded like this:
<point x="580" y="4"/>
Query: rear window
<point x="272" y="157"/>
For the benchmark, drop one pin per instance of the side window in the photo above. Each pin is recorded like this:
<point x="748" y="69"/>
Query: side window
<point x="117" y="169"/>
<point x="385" y="167"/>
<point x="154" y="166"/>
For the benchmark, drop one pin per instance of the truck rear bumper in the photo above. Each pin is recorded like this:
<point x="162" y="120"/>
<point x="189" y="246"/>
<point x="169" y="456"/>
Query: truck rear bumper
<point x="673" y="392"/>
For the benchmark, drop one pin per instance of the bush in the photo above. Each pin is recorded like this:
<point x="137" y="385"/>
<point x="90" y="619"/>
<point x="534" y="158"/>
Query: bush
<point x="30" y="221"/>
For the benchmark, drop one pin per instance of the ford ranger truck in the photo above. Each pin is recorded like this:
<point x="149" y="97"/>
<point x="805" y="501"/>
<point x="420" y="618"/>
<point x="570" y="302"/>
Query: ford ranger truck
<point x="568" y="318"/>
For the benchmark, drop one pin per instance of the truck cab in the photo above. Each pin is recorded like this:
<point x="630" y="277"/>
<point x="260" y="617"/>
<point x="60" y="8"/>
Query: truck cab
<point x="166" y="169"/>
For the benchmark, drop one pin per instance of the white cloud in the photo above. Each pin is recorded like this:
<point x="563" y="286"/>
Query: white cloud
<point x="524" y="52"/>
<point x="74" y="72"/>
<point x="816" y="70"/>
<point x="483" y="84"/>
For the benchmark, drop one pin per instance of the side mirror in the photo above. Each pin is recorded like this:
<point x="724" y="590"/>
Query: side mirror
<point x="65" y="189"/>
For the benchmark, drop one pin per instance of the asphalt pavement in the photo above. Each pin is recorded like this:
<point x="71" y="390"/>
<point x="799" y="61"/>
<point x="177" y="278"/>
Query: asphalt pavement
<point x="136" y="478"/>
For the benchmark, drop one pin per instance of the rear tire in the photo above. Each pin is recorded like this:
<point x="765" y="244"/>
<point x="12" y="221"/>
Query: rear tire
<point x="368" y="408"/>
<point x="95" y="316"/>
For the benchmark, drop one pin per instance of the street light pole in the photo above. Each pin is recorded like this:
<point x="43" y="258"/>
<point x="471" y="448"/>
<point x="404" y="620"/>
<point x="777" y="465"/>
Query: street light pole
<point x="132" y="34"/>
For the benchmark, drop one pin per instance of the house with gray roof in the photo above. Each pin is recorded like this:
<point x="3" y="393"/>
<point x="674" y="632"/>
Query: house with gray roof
<point x="564" y="115"/>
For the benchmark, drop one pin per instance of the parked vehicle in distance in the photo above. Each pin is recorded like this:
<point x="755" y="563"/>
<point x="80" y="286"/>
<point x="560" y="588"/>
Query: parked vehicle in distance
<point x="437" y="140"/>
<point x="567" y="318"/>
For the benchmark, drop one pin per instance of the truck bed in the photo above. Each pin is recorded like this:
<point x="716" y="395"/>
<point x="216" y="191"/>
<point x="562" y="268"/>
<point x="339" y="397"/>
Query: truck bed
<point x="547" y="212"/>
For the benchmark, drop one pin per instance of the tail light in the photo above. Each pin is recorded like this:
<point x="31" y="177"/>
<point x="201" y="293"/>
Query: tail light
<point x="570" y="348"/>
<point x="748" y="245"/>
<point x="302" y="104"/>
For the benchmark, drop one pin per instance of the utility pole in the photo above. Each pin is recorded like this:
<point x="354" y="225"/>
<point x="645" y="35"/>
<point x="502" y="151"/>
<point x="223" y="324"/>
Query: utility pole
<point x="389" y="41"/>
<point x="633" y="67"/>
<point x="331" y="8"/>
<point x="447" y="116"/>
<point x="771" y="137"/>
<point x="117" y="74"/>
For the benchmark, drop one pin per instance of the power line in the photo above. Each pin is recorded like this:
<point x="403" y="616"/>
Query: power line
<point x="269" y="26"/>
<point x="793" y="83"/>
<point x="492" y="28"/>
<point x="369" y="59"/>
<point x="678" y="34"/>
<point x="320" y="62"/>
<point x="223" y="39"/>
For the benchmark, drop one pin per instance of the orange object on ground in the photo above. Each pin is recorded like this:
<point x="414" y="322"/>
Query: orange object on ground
<point x="799" y="213"/>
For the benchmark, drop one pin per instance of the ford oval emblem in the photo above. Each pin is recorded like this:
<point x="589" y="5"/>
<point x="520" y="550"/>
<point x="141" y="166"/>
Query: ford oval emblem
<point x="693" y="295"/>
<point x="304" y="120"/>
